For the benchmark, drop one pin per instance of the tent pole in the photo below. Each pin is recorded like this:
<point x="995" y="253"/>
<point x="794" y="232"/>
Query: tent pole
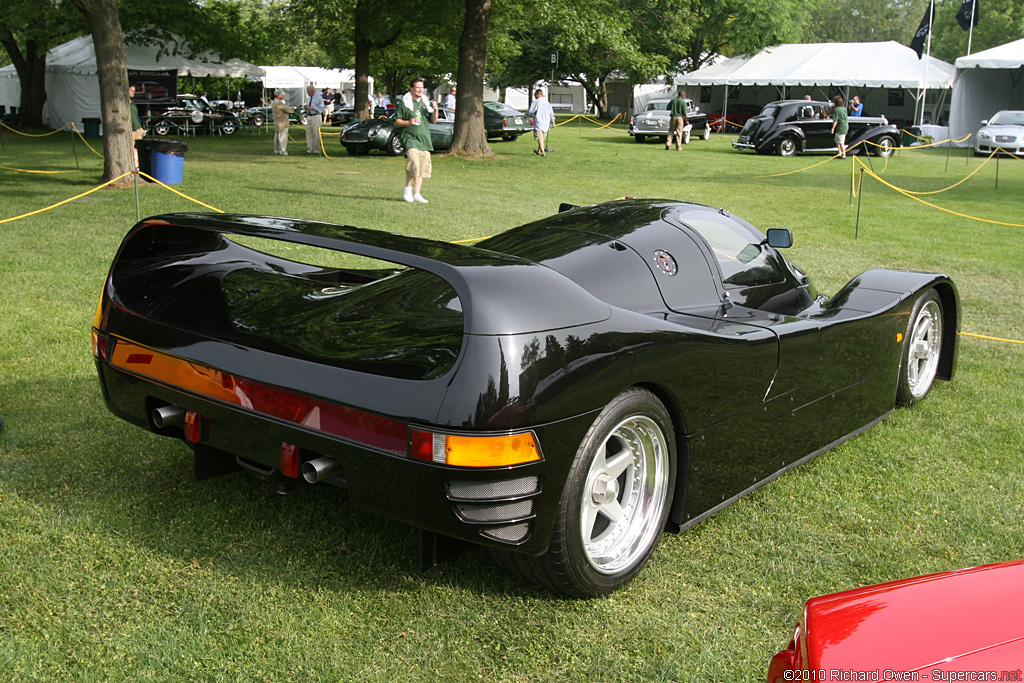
<point x="725" y="109"/>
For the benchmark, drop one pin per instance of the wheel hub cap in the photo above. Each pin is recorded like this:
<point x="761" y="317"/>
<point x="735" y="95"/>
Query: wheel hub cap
<point x="605" y="490"/>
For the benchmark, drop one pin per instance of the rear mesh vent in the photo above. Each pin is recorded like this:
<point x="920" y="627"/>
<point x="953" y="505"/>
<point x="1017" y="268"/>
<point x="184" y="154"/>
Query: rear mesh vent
<point x="493" y="490"/>
<point x="515" y="533"/>
<point x="495" y="513"/>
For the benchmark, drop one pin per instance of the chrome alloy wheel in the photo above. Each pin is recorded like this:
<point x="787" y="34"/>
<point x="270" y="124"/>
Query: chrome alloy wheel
<point x="624" y="495"/>
<point x="924" y="346"/>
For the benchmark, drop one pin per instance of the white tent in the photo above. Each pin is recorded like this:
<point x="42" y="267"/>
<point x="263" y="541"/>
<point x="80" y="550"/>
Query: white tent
<point x="294" y="79"/>
<point x="986" y="82"/>
<point x="828" y="66"/>
<point x="72" y="85"/>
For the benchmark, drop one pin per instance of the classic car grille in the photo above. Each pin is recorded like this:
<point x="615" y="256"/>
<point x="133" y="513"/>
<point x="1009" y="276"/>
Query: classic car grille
<point x="356" y="137"/>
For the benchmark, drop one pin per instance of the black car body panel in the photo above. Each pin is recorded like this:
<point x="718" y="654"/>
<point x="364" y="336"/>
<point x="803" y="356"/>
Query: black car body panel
<point x="802" y="126"/>
<point x="189" y="112"/>
<point x="532" y="331"/>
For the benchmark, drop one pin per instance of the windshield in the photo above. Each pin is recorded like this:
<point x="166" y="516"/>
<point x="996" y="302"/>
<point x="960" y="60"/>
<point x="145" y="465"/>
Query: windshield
<point x="1007" y="118"/>
<point x="502" y="109"/>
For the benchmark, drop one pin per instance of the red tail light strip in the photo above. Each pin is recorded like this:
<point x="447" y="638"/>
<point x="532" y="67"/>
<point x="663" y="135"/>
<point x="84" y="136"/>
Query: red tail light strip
<point x="348" y="423"/>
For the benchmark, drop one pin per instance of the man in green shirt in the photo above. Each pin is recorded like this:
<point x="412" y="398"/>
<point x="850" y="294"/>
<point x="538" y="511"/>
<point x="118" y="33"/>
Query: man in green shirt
<point x="840" y="125"/>
<point x="411" y="116"/>
<point x="679" y="112"/>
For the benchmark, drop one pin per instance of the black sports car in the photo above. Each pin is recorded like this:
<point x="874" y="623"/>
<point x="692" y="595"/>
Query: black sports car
<point x="560" y="393"/>
<point x="790" y="127"/>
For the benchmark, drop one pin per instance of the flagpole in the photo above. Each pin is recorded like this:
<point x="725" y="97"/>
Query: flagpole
<point x="928" y="53"/>
<point x="970" y="34"/>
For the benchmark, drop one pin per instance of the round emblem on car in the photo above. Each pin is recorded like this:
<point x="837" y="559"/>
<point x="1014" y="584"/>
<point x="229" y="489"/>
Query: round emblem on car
<point x="665" y="262"/>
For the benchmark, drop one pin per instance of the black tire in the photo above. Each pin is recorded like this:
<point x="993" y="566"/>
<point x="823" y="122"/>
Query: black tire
<point x="229" y="127"/>
<point x="161" y="127"/>
<point x="593" y="552"/>
<point x="786" y="147"/>
<point x="922" y="350"/>
<point x="357" y="150"/>
<point x="640" y="139"/>
<point x="394" y="147"/>
<point x="886" y="146"/>
<point x="302" y="119"/>
<point x="258" y="120"/>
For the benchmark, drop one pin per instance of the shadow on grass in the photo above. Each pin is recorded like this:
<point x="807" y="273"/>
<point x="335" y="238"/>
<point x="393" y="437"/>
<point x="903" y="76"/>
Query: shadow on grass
<point x="120" y="481"/>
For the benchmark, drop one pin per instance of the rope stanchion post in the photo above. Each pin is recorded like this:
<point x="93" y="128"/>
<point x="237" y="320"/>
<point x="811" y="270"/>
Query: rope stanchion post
<point x="949" y="148"/>
<point x="74" y="150"/>
<point x="997" y="169"/>
<point x="860" y="196"/>
<point x="138" y="211"/>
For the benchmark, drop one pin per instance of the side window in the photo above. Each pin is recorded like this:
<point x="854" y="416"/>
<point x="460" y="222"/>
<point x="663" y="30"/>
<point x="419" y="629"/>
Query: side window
<point x="741" y="258"/>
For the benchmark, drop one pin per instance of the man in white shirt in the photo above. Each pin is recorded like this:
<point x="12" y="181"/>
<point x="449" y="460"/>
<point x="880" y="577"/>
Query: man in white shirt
<point x="543" y="118"/>
<point x="314" y="118"/>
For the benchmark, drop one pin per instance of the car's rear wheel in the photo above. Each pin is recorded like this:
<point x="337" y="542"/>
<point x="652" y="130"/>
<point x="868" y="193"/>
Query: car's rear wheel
<point x="162" y="127"/>
<point x="706" y="133"/>
<point x="394" y="145"/>
<point x="258" y="120"/>
<point x="886" y="146"/>
<point x="510" y="137"/>
<point x="786" y="147"/>
<point x="614" y="504"/>
<point x="640" y="138"/>
<point x="922" y="349"/>
<point x="229" y="127"/>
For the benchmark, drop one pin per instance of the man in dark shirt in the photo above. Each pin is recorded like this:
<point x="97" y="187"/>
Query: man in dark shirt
<point x="411" y="115"/>
<point x="679" y="112"/>
<point x="840" y="125"/>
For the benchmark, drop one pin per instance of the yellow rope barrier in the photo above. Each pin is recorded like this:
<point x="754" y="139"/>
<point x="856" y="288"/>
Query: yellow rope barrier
<point x="602" y="125"/>
<point x="566" y="121"/>
<point x="54" y="206"/>
<point x="26" y="170"/>
<point x="36" y="135"/>
<point x="180" y="194"/>
<point x="906" y="193"/>
<point x="75" y="128"/>
<point x="982" y="336"/>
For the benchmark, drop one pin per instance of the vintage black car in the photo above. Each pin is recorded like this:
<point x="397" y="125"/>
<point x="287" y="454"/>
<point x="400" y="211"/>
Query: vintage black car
<point x="560" y="393"/>
<point x="190" y="113"/>
<point x="791" y="127"/>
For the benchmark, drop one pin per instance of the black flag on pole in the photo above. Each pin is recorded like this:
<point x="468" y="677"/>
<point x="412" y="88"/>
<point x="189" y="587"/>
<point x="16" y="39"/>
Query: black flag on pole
<point x="968" y="14"/>
<point x="917" y="44"/>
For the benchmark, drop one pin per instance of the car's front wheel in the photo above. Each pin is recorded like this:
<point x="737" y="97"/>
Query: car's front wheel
<point x="886" y="146"/>
<point x="786" y="147"/>
<point x="706" y="133"/>
<point x="258" y="120"/>
<point x="614" y="504"/>
<point x="162" y="127"/>
<point x="922" y="348"/>
<point x="394" y="145"/>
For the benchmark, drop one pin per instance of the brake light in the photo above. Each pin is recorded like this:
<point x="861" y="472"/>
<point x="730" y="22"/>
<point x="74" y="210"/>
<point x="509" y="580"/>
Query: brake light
<point x="474" y="451"/>
<point x="195" y="427"/>
<point x="100" y="346"/>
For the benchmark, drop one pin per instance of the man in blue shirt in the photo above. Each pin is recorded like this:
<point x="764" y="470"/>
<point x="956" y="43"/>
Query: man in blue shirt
<point x="314" y="117"/>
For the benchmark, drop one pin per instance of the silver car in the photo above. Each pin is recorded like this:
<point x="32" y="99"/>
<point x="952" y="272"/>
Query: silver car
<point x="1004" y="131"/>
<point x="654" y="119"/>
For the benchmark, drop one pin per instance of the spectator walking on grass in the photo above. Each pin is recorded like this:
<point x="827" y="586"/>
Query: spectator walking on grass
<point x="679" y="113"/>
<point x="543" y="118"/>
<point x="840" y="125"/>
<point x="314" y="117"/>
<point x="411" y="115"/>
<point x="280" y="111"/>
<point x="138" y="132"/>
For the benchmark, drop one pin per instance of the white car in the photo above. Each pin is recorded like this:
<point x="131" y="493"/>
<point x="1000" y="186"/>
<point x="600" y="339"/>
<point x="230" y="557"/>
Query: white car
<point x="1004" y="131"/>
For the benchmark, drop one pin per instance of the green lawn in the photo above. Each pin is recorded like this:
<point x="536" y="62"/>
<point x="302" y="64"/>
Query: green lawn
<point x="116" y="566"/>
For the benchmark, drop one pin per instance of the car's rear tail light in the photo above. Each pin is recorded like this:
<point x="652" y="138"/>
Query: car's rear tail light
<point x="100" y="346"/>
<point x="474" y="451"/>
<point x="289" y="460"/>
<point x="195" y="427"/>
<point x="504" y="123"/>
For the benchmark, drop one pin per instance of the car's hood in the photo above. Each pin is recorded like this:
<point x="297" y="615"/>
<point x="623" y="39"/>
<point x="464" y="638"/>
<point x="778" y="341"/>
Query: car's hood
<point x="958" y="620"/>
<point x="999" y="129"/>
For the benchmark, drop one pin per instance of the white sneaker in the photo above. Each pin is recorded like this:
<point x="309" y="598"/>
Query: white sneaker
<point x="407" y="194"/>
<point x="419" y="198"/>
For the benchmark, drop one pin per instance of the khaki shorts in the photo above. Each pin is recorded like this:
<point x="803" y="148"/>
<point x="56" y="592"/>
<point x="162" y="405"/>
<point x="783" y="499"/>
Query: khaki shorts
<point x="540" y="134"/>
<point x="840" y="138"/>
<point x="418" y="164"/>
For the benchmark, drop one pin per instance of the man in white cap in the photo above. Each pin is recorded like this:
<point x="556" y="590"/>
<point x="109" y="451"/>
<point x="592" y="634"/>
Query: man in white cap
<point x="280" y="110"/>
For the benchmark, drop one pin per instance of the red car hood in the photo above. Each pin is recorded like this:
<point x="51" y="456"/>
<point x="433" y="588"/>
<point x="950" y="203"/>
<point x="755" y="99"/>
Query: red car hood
<point x="963" y="620"/>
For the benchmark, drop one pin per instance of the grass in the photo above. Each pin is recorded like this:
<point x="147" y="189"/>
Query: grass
<point x="116" y="566"/>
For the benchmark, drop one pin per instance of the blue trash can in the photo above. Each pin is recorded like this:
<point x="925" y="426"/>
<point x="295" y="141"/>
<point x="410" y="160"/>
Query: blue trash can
<point x="167" y="159"/>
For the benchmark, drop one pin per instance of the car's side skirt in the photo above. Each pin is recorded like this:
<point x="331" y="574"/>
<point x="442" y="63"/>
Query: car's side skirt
<point x="796" y="463"/>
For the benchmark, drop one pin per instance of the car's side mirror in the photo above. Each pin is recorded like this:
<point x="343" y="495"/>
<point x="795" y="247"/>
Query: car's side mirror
<point x="780" y="238"/>
<point x="984" y="122"/>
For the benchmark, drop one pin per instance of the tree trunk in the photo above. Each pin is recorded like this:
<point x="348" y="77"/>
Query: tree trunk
<point x="30" y="66"/>
<point x="108" y="41"/>
<point x="470" y="136"/>
<point x="362" y="93"/>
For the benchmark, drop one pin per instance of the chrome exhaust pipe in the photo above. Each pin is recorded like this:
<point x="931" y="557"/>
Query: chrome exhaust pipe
<point x="320" y="469"/>
<point x="168" y="416"/>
